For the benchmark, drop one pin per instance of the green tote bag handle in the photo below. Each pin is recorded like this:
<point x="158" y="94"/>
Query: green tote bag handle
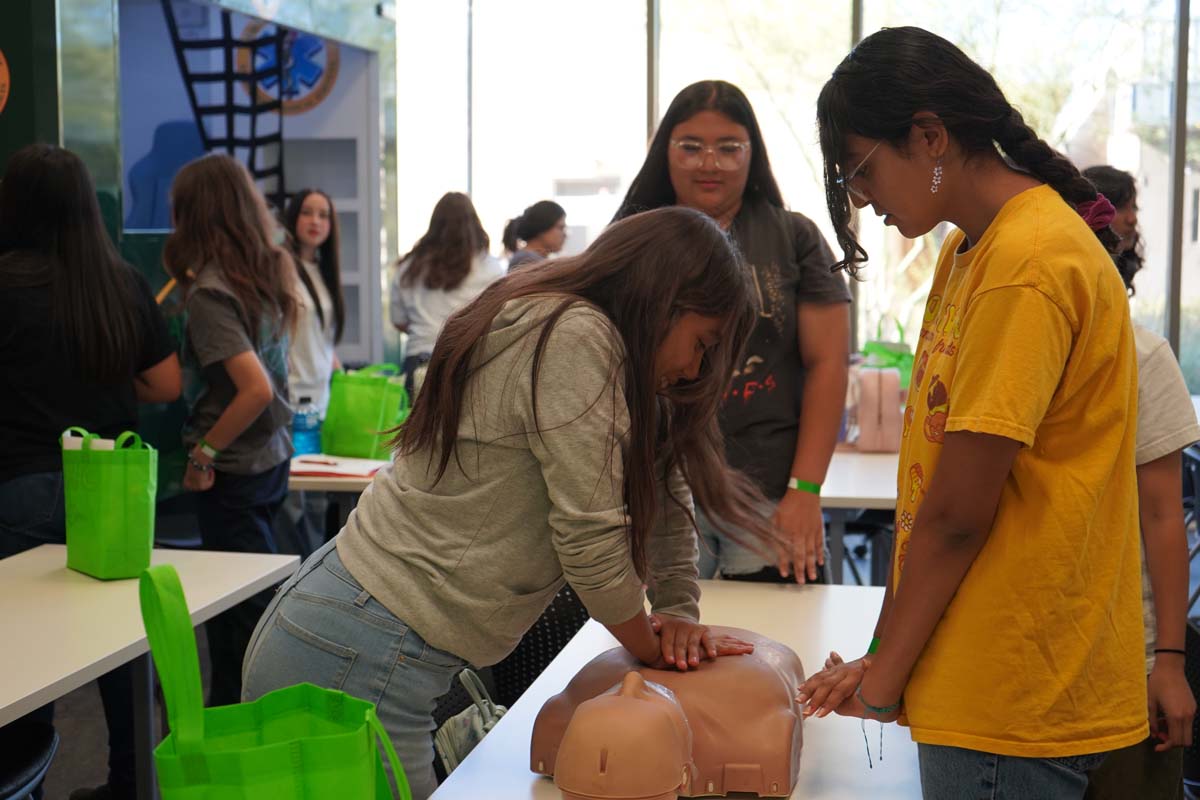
<point x="376" y="369"/>
<point x="85" y="435"/>
<point x="173" y="643"/>
<point x="403" y="790"/>
<point x="130" y="436"/>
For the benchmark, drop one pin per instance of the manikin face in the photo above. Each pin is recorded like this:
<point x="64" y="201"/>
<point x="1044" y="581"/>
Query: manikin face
<point x="313" y="224"/>
<point x="681" y="352"/>
<point x="698" y="180"/>
<point x="894" y="184"/>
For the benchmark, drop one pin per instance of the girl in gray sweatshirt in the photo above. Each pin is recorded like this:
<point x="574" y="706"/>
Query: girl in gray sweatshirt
<point x="567" y="418"/>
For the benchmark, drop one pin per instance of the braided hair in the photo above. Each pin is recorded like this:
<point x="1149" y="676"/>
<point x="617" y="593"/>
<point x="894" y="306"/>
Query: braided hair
<point x="894" y="74"/>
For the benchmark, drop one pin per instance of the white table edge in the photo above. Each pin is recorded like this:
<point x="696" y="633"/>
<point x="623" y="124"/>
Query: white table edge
<point x="70" y="683"/>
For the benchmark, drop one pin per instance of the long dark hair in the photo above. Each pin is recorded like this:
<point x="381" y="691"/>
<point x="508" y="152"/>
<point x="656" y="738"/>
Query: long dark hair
<point x="442" y="258"/>
<point x="222" y="223"/>
<point x="1120" y="188"/>
<point x="48" y="211"/>
<point x="652" y="187"/>
<point x="640" y="274"/>
<point x="892" y="75"/>
<point x="328" y="259"/>
<point x="534" y="221"/>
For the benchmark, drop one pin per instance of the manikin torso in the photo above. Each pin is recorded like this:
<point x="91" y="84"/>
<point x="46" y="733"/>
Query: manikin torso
<point x="623" y="730"/>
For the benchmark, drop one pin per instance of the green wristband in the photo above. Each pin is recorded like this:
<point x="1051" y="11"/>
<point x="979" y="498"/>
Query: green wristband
<point x="874" y="646"/>
<point x="805" y="486"/>
<point x="209" y="450"/>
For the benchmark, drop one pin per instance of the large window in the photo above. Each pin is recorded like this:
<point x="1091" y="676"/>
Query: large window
<point x="431" y="103"/>
<point x="779" y="53"/>
<point x="1093" y="79"/>
<point x="1189" y="321"/>
<point x="558" y="109"/>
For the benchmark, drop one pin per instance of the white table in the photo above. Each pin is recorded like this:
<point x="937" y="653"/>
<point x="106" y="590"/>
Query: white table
<point x="855" y="481"/>
<point x="60" y="629"/>
<point x="345" y="491"/>
<point x="810" y="619"/>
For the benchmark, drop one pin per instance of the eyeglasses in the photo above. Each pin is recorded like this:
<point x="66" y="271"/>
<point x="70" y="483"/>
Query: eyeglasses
<point x="727" y="156"/>
<point x="846" y="182"/>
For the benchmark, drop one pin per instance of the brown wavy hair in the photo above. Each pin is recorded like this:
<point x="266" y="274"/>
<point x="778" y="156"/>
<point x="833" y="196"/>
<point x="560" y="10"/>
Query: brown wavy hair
<point x="222" y="222"/>
<point x="442" y="258"/>
<point x="641" y="274"/>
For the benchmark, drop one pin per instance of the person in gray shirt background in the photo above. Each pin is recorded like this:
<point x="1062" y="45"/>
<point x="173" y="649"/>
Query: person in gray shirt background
<point x="568" y="416"/>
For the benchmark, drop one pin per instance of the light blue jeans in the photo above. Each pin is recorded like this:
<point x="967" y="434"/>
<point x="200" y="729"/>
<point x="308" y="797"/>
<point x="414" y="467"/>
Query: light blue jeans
<point x="954" y="773"/>
<point x="324" y="628"/>
<point x="719" y="553"/>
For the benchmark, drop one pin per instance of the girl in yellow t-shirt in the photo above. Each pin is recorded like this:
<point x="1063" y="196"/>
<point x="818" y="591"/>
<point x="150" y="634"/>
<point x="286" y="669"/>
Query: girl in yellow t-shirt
<point x="1011" y="632"/>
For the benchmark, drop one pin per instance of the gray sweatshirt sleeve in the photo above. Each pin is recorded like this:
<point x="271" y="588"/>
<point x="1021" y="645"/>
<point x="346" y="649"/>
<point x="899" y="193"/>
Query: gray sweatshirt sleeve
<point x="672" y="554"/>
<point x="581" y="429"/>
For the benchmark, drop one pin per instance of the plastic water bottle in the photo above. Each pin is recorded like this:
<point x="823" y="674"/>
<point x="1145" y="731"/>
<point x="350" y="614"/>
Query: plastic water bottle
<point x="306" y="428"/>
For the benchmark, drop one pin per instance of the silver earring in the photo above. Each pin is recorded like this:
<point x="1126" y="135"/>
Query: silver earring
<point x="937" y="177"/>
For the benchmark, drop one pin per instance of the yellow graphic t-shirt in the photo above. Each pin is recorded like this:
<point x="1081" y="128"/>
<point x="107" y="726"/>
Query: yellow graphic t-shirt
<point x="1027" y="336"/>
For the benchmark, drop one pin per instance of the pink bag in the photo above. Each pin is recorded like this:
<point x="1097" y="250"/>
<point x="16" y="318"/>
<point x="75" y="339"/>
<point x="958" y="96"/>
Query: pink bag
<point x="879" y="413"/>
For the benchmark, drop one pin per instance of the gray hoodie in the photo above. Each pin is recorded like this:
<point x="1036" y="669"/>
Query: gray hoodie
<point x="471" y="562"/>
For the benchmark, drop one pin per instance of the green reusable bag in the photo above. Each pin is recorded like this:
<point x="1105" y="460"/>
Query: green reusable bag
<point x="362" y="405"/>
<point x="109" y="505"/>
<point x="298" y="743"/>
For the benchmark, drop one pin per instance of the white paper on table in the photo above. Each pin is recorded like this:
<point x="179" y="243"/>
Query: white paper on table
<point x="76" y="443"/>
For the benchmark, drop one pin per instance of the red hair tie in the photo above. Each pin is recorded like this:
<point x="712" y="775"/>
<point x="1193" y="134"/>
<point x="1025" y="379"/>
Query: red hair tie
<point x="1098" y="213"/>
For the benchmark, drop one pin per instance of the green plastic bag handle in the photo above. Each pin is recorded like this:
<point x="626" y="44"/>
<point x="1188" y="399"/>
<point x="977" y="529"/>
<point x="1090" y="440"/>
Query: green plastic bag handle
<point x="397" y="769"/>
<point x="173" y="644"/>
<point x="375" y="369"/>
<point x="130" y="436"/>
<point x="85" y="435"/>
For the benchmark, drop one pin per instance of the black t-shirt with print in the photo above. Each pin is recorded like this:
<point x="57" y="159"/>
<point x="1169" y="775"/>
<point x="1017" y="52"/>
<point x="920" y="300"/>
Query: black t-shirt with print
<point x="41" y="390"/>
<point x="789" y="260"/>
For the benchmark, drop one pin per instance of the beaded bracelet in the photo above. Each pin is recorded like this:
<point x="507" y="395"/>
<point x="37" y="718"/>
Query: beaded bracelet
<point x="198" y="466"/>
<point x="877" y="710"/>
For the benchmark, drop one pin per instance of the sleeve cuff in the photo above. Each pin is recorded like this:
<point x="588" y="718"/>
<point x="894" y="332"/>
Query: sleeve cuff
<point x="679" y="599"/>
<point x="613" y="606"/>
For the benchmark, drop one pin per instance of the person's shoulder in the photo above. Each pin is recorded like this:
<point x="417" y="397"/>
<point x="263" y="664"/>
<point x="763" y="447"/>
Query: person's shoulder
<point x="489" y="265"/>
<point x="1149" y="344"/>
<point x="1042" y="243"/>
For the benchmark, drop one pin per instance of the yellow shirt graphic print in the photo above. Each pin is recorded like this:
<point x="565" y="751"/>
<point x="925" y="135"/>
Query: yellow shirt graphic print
<point x="1027" y="336"/>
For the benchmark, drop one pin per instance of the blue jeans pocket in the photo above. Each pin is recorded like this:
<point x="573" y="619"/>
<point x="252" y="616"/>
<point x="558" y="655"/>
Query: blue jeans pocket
<point x="1080" y="764"/>
<point x="31" y="512"/>
<point x="289" y="653"/>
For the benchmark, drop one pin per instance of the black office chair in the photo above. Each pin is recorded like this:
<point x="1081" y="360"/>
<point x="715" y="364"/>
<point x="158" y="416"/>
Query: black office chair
<point x="1191" y="510"/>
<point x="549" y="635"/>
<point x="876" y="528"/>
<point x="1191" y="755"/>
<point x="28" y="747"/>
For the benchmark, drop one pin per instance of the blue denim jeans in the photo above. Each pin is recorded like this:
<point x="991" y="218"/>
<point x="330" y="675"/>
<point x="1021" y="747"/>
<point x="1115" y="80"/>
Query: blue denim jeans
<point x="32" y="513"/>
<point x="954" y="773"/>
<point x="237" y="515"/>
<point x="324" y="628"/>
<point x="736" y="561"/>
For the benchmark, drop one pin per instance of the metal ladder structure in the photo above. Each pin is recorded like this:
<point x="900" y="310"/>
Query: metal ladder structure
<point x="259" y="147"/>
